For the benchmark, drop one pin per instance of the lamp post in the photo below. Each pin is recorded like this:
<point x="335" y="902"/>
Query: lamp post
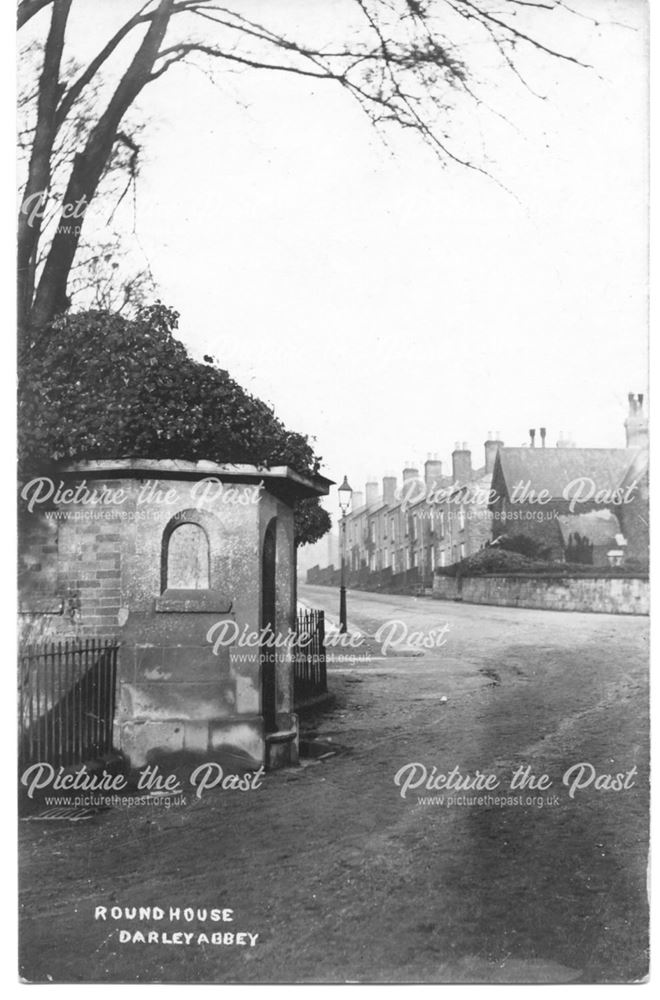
<point x="345" y="493"/>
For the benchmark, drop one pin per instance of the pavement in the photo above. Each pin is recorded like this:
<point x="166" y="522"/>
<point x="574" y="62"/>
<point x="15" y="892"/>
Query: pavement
<point x="341" y="876"/>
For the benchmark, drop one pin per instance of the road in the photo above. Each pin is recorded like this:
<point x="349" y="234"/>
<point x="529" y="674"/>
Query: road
<point x="346" y="880"/>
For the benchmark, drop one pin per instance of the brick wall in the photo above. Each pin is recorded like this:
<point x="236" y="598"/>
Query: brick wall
<point x="89" y="574"/>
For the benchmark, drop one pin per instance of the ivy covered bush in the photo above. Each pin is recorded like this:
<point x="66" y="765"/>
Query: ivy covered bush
<point x="495" y="561"/>
<point x="98" y="385"/>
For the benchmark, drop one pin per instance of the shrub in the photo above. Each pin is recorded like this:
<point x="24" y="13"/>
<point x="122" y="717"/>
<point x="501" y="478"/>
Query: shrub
<point x="524" y="545"/>
<point x="99" y="385"/>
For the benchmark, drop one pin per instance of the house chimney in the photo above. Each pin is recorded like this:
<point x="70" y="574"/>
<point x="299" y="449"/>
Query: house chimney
<point x="461" y="463"/>
<point x="410" y="472"/>
<point x="565" y="441"/>
<point x="532" y="435"/>
<point x="542" y="433"/>
<point x="357" y="500"/>
<point x="637" y="423"/>
<point x="490" y="450"/>
<point x="371" y="491"/>
<point x="389" y="489"/>
<point x="432" y="470"/>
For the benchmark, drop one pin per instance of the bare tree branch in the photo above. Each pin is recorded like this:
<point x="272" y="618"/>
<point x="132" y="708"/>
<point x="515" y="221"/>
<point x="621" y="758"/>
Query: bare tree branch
<point x="403" y="61"/>
<point x="88" y="167"/>
<point x="143" y="16"/>
<point x="28" y="8"/>
<point x="514" y="33"/>
<point x="75" y="90"/>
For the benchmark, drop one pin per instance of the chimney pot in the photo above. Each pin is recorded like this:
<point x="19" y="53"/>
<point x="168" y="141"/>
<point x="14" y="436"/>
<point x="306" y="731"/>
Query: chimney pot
<point x="432" y="470"/>
<point x="490" y="451"/>
<point x="357" y="500"/>
<point x="389" y="489"/>
<point x="371" y="491"/>
<point x="636" y="424"/>
<point x="461" y="461"/>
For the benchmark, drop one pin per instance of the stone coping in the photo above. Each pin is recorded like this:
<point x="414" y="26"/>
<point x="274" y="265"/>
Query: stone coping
<point x="310" y="485"/>
<point x="193" y="601"/>
<point x="36" y="604"/>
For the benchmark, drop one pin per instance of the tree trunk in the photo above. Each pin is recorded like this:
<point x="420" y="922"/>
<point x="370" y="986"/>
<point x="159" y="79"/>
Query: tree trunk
<point x="38" y="182"/>
<point x="51" y="297"/>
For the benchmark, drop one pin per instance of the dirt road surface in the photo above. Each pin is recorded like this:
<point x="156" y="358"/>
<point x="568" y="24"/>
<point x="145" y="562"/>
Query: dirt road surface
<point x="341" y="877"/>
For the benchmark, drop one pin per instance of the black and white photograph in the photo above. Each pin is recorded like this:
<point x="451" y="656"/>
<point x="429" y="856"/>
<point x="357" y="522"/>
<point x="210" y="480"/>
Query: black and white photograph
<point x="332" y="328"/>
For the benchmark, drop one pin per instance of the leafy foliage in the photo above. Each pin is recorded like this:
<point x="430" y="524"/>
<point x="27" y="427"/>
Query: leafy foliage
<point x="100" y="385"/>
<point x="489" y="560"/>
<point x="312" y="522"/>
<point x="495" y="561"/>
<point x="524" y="545"/>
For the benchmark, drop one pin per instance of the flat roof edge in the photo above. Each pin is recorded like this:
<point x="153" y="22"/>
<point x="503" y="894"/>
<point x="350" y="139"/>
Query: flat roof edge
<point x="319" y="485"/>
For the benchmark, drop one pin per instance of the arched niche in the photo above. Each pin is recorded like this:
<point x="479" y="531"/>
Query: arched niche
<point x="187" y="558"/>
<point x="185" y="562"/>
<point x="186" y="576"/>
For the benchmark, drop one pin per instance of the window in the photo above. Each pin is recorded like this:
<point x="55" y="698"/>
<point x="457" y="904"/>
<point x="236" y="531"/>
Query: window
<point x="372" y="531"/>
<point x="441" y="519"/>
<point x="462" y="550"/>
<point x="393" y="528"/>
<point x="461" y="518"/>
<point x="414" y="527"/>
<point x="432" y="551"/>
<point x="442" y="557"/>
<point x="187" y="561"/>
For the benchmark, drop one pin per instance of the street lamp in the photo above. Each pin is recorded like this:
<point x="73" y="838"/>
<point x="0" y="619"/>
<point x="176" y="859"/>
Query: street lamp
<point x="345" y="493"/>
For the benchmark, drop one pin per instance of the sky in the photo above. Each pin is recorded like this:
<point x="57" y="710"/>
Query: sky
<point x="383" y="304"/>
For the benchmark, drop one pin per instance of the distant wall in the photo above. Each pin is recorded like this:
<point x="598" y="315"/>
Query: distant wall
<point x="606" y="595"/>
<point x="410" y="581"/>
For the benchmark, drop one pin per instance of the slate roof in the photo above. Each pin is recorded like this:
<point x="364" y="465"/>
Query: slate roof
<point x="552" y="469"/>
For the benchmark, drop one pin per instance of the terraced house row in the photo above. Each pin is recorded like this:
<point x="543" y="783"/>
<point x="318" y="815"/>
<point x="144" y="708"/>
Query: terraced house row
<point x="429" y="519"/>
<point x="398" y="533"/>
<point x="399" y="530"/>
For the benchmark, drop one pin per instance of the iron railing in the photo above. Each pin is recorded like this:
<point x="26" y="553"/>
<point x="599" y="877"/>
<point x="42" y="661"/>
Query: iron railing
<point x="66" y="701"/>
<point x="309" y="659"/>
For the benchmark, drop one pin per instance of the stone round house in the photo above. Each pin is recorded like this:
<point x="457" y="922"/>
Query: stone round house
<point x="191" y="565"/>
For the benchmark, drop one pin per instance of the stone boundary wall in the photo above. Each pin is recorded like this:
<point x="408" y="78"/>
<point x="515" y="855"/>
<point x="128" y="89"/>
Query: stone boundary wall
<point x="604" y="595"/>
